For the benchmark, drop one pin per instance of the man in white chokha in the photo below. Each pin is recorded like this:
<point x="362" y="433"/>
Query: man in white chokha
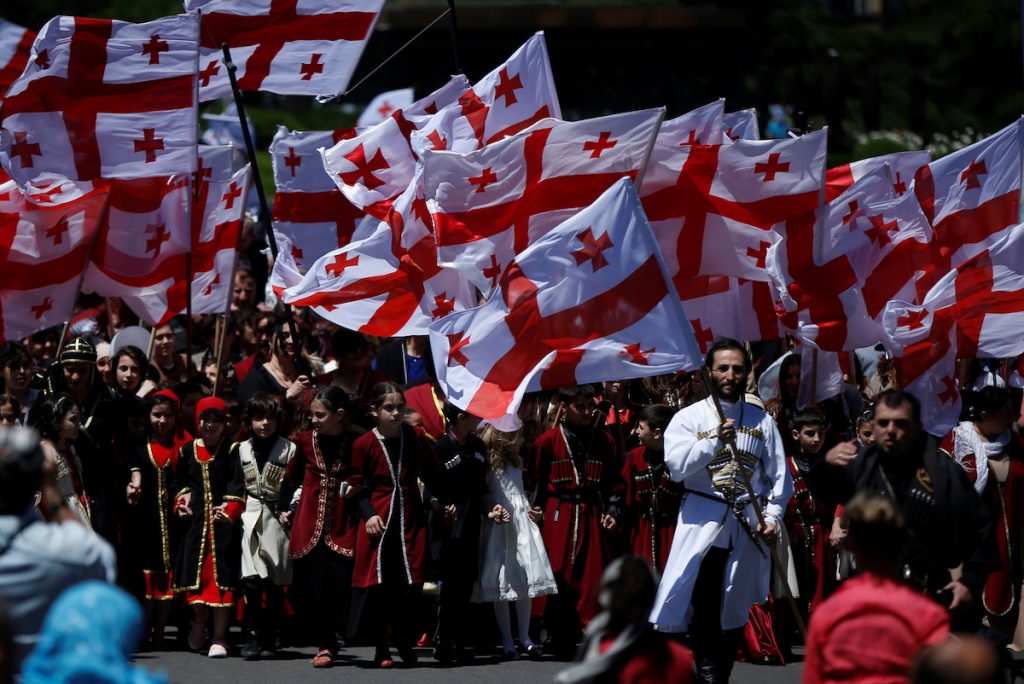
<point x="720" y="564"/>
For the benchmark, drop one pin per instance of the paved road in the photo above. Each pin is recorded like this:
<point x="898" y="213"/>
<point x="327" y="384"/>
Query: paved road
<point x="293" y="665"/>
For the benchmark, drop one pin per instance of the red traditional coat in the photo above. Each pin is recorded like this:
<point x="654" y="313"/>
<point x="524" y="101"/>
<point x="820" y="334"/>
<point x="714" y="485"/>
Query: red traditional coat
<point x="321" y="513"/>
<point x="809" y="522"/>
<point x="578" y="546"/>
<point x="652" y="499"/>
<point x="403" y="513"/>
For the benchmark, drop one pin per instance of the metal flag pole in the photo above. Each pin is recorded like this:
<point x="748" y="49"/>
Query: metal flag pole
<point x="268" y="227"/>
<point x="776" y="564"/>
<point x="455" y="36"/>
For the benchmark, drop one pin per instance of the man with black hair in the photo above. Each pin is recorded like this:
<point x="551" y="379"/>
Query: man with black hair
<point x="579" y="489"/>
<point x="719" y="564"/>
<point x="950" y="526"/>
<point x="38" y="560"/>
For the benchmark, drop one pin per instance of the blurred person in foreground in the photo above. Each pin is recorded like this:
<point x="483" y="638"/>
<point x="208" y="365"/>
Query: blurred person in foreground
<point x="961" y="660"/>
<point x="621" y="646"/>
<point x="873" y="627"/>
<point x="38" y="560"/>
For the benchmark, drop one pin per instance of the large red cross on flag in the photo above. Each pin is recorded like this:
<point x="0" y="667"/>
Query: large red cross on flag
<point x="308" y="207"/>
<point x="375" y="166"/>
<point x="289" y="47"/>
<point x="972" y="197"/>
<point x="44" y="247"/>
<point x="517" y="94"/>
<point x="15" y="47"/>
<point x="496" y="201"/>
<point x="557" y="320"/>
<point x="976" y="310"/>
<point x="741" y="125"/>
<point x="93" y="103"/>
<point x="713" y="206"/>
<point x="902" y="166"/>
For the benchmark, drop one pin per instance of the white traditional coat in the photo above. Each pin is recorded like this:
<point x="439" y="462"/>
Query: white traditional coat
<point x="264" y="540"/>
<point x="695" y="455"/>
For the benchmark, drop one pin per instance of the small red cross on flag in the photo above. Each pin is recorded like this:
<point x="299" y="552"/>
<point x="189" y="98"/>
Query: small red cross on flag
<point x="771" y="167"/>
<point x="314" y="66"/>
<point x="158" y="237"/>
<point x="592" y="249"/>
<point x="149" y="144"/>
<point x="507" y="87"/>
<point x="39" y="309"/>
<point x="483" y="180"/>
<point x="58" y="231"/>
<point x="340" y="263"/>
<point x="154" y="47"/>
<point x="364" y="172"/>
<point x="24" y="150"/>
<point x="234" y="192"/>
<point x="596" y="147"/>
<point x="209" y="71"/>
<point x="292" y="161"/>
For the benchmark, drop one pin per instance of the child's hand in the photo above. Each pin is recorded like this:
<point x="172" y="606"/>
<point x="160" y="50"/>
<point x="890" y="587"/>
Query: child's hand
<point x="285" y="518"/>
<point x="608" y="522"/>
<point x="536" y="514"/>
<point x="220" y="514"/>
<point x="183" y="507"/>
<point x="375" y="526"/>
<point x="499" y="515"/>
<point x="449" y="514"/>
<point x="134" y="493"/>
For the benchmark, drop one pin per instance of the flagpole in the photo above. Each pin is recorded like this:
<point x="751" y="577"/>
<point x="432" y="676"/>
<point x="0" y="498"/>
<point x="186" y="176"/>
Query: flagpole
<point x="85" y="267"/>
<point x="268" y="227"/>
<point x="455" y="36"/>
<point x="227" y="308"/>
<point x="647" y="152"/>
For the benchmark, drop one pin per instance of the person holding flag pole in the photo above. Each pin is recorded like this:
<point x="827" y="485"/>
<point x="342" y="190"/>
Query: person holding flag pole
<point x="730" y="457"/>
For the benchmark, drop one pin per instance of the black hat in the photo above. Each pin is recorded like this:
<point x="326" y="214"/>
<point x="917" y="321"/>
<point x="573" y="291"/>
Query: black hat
<point x="78" y="351"/>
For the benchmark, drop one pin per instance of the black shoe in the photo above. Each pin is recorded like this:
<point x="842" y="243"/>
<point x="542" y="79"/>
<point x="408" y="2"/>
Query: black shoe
<point x="444" y="654"/>
<point x="533" y="652"/>
<point x="251" y="649"/>
<point x="267" y="653"/>
<point x="464" y="656"/>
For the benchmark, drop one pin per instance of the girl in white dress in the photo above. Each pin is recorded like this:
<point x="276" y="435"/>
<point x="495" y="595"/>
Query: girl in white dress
<point x="514" y="566"/>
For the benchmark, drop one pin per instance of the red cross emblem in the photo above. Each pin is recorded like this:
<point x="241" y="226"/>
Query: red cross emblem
<point x="154" y="47"/>
<point x="899" y="186"/>
<point x="233" y="193"/>
<point x="759" y="255"/>
<point x="443" y="306"/>
<point x="58" y="230"/>
<point x="703" y="335"/>
<point x="507" y="87"/>
<point x="364" y="169"/>
<point x="341" y="262"/>
<point x="39" y="309"/>
<point x="596" y="147"/>
<point x="971" y="173"/>
<point x="24" y="149"/>
<point x="592" y="249"/>
<point x="635" y="355"/>
<point x="437" y="141"/>
<point x="483" y="180"/>
<point x="879" y="231"/>
<point x="314" y="66"/>
<point x="771" y="167"/>
<point x="209" y="288"/>
<point x="948" y="395"/>
<point x="912" y="320"/>
<point x="455" y="344"/>
<point x="296" y="253"/>
<point x="493" y="271"/>
<point x="855" y="211"/>
<point x="209" y="72"/>
<point x="385" y="109"/>
<point x="292" y="161"/>
<point x="202" y="173"/>
<point x="149" y="144"/>
<point x="160" y="236"/>
<point x="692" y="139"/>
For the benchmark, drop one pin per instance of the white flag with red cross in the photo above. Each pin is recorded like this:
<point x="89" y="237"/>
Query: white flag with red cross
<point x="288" y="47"/>
<point x="971" y="197"/>
<point x="511" y="98"/>
<point x="491" y="204"/>
<point x="713" y="206"/>
<point x="308" y="207"/>
<point x="373" y="286"/>
<point x="741" y="125"/>
<point x="701" y="126"/>
<point x="382" y="106"/>
<point x="976" y="310"/>
<point x="589" y="301"/>
<point x="374" y="166"/>
<point x="45" y="239"/>
<point x="902" y="165"/>
<point x="15" y="48"/>
<point x="104" y="98"/>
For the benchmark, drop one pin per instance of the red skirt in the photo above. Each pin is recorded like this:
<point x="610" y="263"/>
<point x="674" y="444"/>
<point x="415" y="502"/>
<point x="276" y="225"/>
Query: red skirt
<point x="209" y="594"/>
<point x="159" y="585"/>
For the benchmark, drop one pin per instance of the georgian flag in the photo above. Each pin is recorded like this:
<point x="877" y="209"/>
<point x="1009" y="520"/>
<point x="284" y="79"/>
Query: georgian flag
<point x="15" y="47"/>
<point x="308" y="207"/>
<point x="702" y="126"/>
<point x="288" y="47"/>
<point x="491" y="204"/>
<point x="104" y="98"/>
<point x="902" y="166"/>
<point x="382" y="106"/>
<point x="511" y="98"/>
<point x="589" y="301"/>
<point x="741" y="125"/>
<point x="976" y="310"/>
<point x="45" y="239"/>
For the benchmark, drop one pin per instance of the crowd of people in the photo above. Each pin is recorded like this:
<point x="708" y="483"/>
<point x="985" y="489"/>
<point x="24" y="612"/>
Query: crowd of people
<point x="315" y="485"/>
